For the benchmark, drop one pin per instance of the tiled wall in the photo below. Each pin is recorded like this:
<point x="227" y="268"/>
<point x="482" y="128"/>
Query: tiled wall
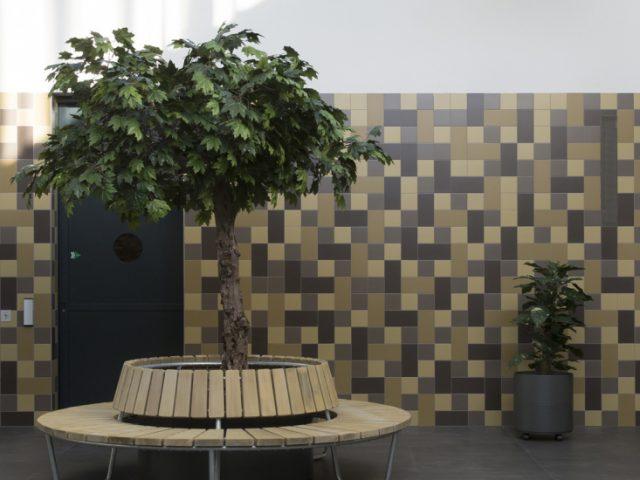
<point x="409" y="291"/>
<point x="27" y="366"/>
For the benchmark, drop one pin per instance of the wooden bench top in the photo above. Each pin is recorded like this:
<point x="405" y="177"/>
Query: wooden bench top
<point x="159" y="387"/>
<point x="97" y="423"/>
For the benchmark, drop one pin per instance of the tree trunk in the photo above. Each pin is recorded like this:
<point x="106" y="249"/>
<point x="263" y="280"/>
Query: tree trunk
<point x="235" y="329"/>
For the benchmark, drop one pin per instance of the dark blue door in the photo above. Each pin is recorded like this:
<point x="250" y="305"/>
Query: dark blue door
<point x="120" y="297"/>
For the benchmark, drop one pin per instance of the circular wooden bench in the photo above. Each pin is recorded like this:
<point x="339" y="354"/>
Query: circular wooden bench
<point x="100" y="424"/>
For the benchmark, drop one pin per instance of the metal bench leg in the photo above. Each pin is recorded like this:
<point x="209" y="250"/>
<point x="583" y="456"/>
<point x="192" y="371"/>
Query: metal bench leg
<point x="392" y="452"/>
<point x="321" y="454"/>
<point x="112" y="462"/>
<point x="214" y="465"/>
<point x="52" y="459"/>
<point x="54" y="463"/>
<point x="336" y="466"/>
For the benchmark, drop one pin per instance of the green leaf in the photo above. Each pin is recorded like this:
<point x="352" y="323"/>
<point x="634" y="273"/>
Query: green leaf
<point x="136" y="165"/>
<point x="213" y="107"/>
<point x="157" y="209"/>
<point x="203" y="84"/>
<point x="539" y="315"/>
<point x="235" y="109"/>
<point x="239" y="130"/>
<point x="133" y="128"/>
<point x="116" y="122"/>
<point x="211" y="143"/>
<point x="196" y="163"/>
<point x="131" y="95"/>
<point x="123" y="36"/>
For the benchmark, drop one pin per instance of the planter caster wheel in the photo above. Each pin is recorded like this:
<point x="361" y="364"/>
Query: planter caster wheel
<point x="559" y="437"/>
<point x="525" y="436"/>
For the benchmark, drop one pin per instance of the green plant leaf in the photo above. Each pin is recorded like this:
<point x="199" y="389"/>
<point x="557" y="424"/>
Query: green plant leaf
<point x="552" y="298"/>
<point x="539" y="315"/>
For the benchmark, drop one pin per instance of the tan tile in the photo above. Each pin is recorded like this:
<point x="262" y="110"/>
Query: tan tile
<point x="408" y="101"/>
<point x="375" y="109"/>
<point x="425" y="126"/>
<point x="575" y="109"/>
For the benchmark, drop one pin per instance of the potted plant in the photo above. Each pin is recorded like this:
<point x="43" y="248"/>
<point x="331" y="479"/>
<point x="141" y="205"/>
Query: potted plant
<point x="230" y="129"/>
<point x="543" y="397"/>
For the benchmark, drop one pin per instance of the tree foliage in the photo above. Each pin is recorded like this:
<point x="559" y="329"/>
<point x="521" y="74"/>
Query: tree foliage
<point x="232" y="127"/>
<point x="552" y="296"/>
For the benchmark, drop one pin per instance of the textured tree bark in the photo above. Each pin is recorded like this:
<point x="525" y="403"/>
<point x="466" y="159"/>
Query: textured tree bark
<point x="235" y="329"/>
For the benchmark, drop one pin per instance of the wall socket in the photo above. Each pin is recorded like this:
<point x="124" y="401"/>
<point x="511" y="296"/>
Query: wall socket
<point x="5" y="315"/>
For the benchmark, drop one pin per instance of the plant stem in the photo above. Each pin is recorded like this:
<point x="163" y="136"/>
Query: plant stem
<point x="546" y="367"/>
<point x="235" y="330"/>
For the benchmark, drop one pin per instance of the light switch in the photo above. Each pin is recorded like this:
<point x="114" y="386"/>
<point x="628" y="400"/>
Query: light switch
<point x="27" y="312"/>
<point x="5" y="315"/>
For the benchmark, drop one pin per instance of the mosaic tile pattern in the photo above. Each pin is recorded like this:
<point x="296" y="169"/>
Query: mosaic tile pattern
<point x="409" y="291"/>
<point x="27" y="365"/>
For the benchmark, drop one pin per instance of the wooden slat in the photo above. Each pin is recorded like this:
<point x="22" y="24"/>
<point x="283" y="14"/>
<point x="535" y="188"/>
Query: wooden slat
<point x="237" y="437"/>
<point x="265" y="390"/>
<point x="184" y="438"/>
<point x="150" y="437"/>
<point x="233" y="394"/>
<point x="125" y="389"/>
<point x="345" y="433"/>
<point x="98" y="434"/>
<point x="216" y="394"/>
<point x="143" y="392"/>
<point x="295" y="394"/>
<point x="315" y="388"/>
<point x="199" y="392"/>
<point x="290" y="437"/>
<point x="318" y="437"/>
<point x="307" y="392"/>
<point x="157" y="439"/>
<point x="168" y="397"/>
<point x="121" y="381"/>
<point x="324" y="388"/>
<point x="283" y="407"/>
<point x="331" y="384"/>
<point x="133" y="391"/>
<point x="210" y="438"/>
<point x="121" y="435"/>
<point x="265" y="438"/>
<point x="250" y="402"/>
<point x="183" y="393"/>
<point x="155" y="391"/>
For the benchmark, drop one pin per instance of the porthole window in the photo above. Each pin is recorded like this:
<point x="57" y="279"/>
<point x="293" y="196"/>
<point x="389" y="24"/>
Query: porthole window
<point x="127" y="247"/>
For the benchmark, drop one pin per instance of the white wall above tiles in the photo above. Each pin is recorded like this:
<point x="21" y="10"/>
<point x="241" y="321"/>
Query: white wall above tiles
<point x="365" y="45"/>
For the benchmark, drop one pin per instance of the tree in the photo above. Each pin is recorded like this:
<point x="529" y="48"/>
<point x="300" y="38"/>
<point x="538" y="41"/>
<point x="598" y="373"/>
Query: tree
<point x="230" y="129"/>
<point x="552" y="296"/>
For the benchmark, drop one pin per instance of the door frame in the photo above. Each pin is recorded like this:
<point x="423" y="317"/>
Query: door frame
<point x="61" y="244"/>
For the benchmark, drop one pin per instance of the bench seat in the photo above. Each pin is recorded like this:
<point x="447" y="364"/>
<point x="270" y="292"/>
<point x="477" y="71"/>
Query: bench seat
<point x="98" y="424"/>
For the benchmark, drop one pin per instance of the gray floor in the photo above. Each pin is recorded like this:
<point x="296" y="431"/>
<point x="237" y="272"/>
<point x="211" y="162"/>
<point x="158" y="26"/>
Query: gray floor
<point x="423" y="453"/>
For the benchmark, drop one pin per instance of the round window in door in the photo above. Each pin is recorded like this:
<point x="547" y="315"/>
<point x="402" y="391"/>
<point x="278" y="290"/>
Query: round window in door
<point x="127" y="247"/>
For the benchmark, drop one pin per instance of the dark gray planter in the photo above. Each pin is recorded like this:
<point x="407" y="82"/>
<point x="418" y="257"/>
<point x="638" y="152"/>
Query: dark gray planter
<point x="543" y="404"/>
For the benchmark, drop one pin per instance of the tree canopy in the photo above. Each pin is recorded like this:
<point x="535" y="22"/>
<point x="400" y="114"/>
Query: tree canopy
<point x="232" y="127"/>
